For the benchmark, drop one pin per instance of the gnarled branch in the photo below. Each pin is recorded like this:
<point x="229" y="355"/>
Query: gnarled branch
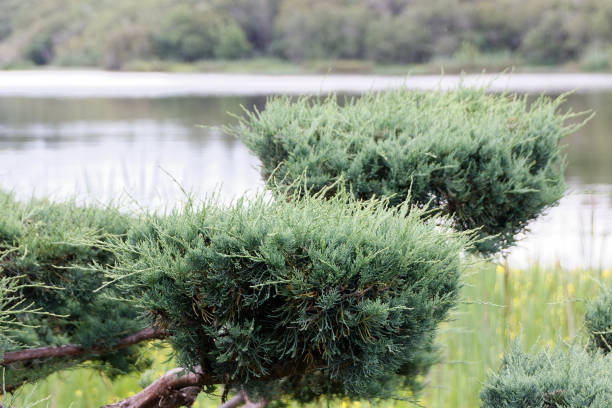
<point x="242" y="399"/>
<point x="173" y="389"/>
<point x="161" y="393"/>
<point x="233" y="402"/>
<point x="72" y="350"/>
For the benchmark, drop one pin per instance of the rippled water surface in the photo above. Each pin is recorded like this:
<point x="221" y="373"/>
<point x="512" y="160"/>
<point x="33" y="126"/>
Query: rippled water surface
<point x="100" y="148"/>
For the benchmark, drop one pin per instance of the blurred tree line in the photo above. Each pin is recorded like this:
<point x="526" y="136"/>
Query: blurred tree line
<point x="109" y="33"/>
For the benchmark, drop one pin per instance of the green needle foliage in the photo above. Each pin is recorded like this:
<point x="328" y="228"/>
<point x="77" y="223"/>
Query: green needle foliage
<point x="45" y="268"/>
<point x="568" y="377"/>
<point x="344" y="294"/>
<point x="491" y="162"/>
<point x="598" y="321"/>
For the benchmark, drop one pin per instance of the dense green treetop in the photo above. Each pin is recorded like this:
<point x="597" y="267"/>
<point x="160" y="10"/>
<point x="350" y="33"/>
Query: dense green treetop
<point x="491" y="162"/>
<point x="342" y="297"/>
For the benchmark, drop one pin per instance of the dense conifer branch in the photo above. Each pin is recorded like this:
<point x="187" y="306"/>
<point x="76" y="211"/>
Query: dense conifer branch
<point x="45" y="250"/>
<point x="490" y="162"/>
<point x="72" y="350"/>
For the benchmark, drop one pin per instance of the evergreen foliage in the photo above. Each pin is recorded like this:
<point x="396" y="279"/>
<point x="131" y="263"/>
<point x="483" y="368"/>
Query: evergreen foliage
<point x="44" y="268"/>
<point x="562" y="377"/>
<point x="335" y="285"/>
<point x="489" y="161"/>
<point x="598" y="321"/>
<point x="345" y="295"/>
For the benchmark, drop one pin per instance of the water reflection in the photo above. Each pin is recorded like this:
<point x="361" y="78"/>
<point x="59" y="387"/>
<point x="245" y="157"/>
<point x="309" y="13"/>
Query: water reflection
<point x="576" y="233"/>
<point x="590" y="149"/>
<point x="101" y="149"/>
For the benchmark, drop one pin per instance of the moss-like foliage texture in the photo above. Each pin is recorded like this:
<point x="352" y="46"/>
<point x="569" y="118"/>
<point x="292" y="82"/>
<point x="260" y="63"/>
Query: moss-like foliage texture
<point x="490" y="161"/>
<point x="336" y="296"/>
<point x="563" y="377"/>
<point x="45" y="253"/>
<point x="598" y="321"/>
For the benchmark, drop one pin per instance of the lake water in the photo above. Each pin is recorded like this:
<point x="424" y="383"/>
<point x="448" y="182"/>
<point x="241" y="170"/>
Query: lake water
<point x="118" y="141"/>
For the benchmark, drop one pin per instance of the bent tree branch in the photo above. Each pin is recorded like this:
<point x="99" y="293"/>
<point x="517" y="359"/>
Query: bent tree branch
<point x="178" y="388"/>
<point x="175" y="388"/>
<point x="73" y="350"/>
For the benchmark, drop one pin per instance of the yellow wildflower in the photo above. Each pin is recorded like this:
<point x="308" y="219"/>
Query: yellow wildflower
<point x="548" y="278"/>
<point x="499" y="269"/>
<point x="605" y="274"/>
<point x="584" y="276"/>
<point x="78" y="393"/>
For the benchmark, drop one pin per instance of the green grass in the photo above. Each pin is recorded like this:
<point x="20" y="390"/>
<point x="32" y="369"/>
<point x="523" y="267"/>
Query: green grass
<point x="541" y="300"/>
<point x="544" y="303"/>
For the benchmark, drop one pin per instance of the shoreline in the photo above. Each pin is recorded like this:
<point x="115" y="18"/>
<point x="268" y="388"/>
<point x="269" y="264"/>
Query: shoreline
<point x="121" y="84"/>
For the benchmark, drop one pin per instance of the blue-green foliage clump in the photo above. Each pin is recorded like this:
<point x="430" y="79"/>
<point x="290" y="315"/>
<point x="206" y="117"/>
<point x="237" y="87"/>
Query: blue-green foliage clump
<point x="598" y="322"/>
<point x="568" y="377"/>
<point x="489" y="161"/>
<point x="338" y="297"/>
<point x="44" y="268"/>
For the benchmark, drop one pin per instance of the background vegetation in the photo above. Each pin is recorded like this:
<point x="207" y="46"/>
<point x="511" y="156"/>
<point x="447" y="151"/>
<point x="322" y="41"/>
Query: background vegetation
<point x="149" y="34"/>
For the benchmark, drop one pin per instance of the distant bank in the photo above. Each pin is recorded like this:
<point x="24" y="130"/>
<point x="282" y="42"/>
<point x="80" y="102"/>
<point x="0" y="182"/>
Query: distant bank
<point x="79" y="84"/>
